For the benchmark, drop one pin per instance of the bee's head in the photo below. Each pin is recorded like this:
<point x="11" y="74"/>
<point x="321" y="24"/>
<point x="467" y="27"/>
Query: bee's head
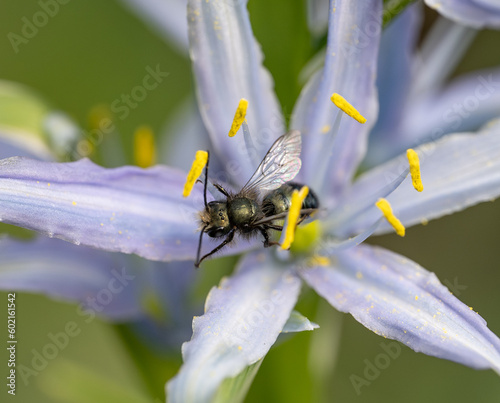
<point x="215" y="219"/>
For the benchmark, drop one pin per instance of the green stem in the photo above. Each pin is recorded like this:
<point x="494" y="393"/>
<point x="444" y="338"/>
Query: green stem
<point x="392" y="8"/>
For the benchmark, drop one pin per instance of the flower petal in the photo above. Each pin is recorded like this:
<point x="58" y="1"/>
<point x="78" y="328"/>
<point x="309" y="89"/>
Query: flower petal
<point x="398" y="299"/>
<point x="440" y="52"/>
<point x="350" y="70"/>
<point x="465" y="104"/>
<point x="227" y="63"/>
<point x="298" y="323"/>
<point x="243" y="317"/>
<point x="126" y="209"/>
<point x="100" y="281"/>
<point x="458" y="171"/>
<point x="168" y="17"/>
<point x="395" y="63"/>
<point x="183" y="136"/>
<point x="476" y="13"/>
<point x="19" y="143"/>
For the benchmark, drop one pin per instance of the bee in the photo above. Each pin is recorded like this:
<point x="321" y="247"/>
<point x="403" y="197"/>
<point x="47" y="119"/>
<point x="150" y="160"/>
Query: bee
<point x="264" y="199"/>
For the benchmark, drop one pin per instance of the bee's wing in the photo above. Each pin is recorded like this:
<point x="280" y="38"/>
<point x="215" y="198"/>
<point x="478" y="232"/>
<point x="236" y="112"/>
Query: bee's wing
<point x="281" y="164"/>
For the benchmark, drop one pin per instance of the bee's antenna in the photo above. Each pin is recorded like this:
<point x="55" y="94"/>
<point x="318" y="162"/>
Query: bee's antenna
<point x="197" y="262"/>
<point x="205" y="193"/>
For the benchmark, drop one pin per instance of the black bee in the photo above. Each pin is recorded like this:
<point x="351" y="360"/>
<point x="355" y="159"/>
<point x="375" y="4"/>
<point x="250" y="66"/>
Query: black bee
<point x="264" y="199"/>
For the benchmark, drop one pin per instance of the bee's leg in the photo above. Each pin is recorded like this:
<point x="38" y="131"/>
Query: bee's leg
<point x="267" y="242"/>
<point x="302" y="219"/>
<point x="221" y="189"/>
<point x="265" y="227"/>
<point x="280" y="227"/>
<point x="228" y="239"/>
<point x="274" y="227"/>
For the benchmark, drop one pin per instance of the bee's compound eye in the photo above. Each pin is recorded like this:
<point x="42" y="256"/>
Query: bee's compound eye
<point x="216" y="232"/>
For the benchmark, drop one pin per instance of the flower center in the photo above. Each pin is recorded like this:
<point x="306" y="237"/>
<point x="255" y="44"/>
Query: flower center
<point x="307" y="237"/>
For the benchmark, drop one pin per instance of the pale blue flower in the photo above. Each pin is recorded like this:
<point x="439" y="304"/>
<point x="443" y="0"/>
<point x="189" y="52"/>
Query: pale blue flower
<point x="387" y="293"/>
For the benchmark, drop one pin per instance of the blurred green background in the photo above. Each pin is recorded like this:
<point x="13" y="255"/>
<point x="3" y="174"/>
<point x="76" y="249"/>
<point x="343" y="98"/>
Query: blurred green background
<point x="93" y="51"/>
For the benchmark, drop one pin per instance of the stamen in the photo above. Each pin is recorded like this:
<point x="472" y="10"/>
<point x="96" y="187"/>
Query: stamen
<point x="415" y="169"/>
<point x="144" y="147"/>
<point x="253" y="154"/>
<point x="239" y="117"/>
<point x="200" y="160"/>
<point x="346" y="107"/>
<point x="293" y="216"/>
<point x="386" y="209"/>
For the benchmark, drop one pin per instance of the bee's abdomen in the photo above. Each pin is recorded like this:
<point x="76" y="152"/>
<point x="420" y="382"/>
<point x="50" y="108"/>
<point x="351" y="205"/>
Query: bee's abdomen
<point x="278" y="201"/>
<point x="311" y="200"/>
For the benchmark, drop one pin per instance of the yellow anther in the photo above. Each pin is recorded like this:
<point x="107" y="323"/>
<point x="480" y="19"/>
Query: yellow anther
<point x="341" y="103"/>
<point x="144" y="147"/>
<point x="415" y="169"/>
<point x="293" y="215"/>
<point x="239" y="117"/>
<point x="200" y="160"/>
<point x="386" y="209"/>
